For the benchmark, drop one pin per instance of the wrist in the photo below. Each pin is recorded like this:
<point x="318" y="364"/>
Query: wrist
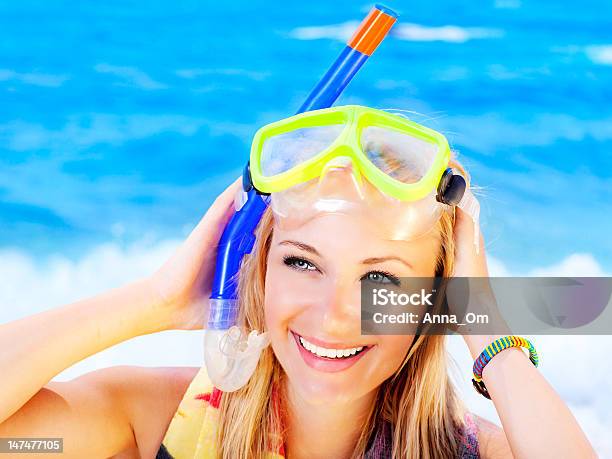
<point x="150" y="313"/>
<point x="171" y="309"/>
<point x="489" y="351"/>
<point x="477" y="343"/>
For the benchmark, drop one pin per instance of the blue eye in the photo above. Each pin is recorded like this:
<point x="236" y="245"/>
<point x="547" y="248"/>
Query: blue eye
<point x="299" y="263"/>
<point x="381" y="277"/>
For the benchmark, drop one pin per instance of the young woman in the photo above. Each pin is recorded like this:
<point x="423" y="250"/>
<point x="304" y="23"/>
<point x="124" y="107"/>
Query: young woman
<point x="383" y="396"/>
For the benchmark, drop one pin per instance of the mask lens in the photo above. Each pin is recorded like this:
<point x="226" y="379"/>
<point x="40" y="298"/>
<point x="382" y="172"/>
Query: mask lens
<point x="283" y="152"/>
<point x="401" y="156"/>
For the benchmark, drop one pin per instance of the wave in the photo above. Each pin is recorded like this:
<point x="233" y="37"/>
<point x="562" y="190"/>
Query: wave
<point x="33" y="78"/>
<point x="408" y="32"/>
<point x="131" y="76"/>
<point x="599" y="54"/>
<point x="94" y="128"/>
<point x="508" y="4"/>
<point x="192" y="73"/>
<point x="340" y="32"/>
<point x="448" y="33"/>
<point x="487" y="132"/>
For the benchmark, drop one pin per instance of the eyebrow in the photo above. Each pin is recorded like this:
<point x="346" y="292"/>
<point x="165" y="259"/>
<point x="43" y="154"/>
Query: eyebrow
<point x="367" y="261"/>
<point x="301" y="245"/>
<point x="374" y="260"/>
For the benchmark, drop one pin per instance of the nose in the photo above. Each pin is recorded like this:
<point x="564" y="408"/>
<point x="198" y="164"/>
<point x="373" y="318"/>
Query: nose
<point x="342" y="314"/>
<point x="340" y="179"/>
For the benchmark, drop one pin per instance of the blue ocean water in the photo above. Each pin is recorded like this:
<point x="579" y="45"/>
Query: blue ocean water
<point x="122" y="120"/>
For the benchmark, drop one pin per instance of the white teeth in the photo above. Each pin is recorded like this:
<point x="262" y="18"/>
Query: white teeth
<point x="329" y="353"/>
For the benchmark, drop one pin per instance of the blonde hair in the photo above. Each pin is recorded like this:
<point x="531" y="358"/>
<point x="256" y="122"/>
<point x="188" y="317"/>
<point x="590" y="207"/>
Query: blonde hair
<point x="419" y="401"/>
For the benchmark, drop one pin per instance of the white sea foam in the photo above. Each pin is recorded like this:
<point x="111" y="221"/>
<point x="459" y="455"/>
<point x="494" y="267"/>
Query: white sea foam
<point x="340" y="32"/>
<point x="409" y="32"/>
<point x="447" y="33"/>
<point x="31" y="285"/>
<point x="599" y="54"/>
<point x="584" y="264"/>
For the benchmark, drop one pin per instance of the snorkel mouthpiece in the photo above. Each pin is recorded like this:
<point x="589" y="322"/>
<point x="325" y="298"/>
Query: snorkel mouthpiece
<point x="231" y="356"/>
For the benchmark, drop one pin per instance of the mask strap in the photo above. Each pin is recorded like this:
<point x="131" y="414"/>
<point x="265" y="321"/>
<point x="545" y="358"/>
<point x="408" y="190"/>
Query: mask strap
<point x="469" y="204"/>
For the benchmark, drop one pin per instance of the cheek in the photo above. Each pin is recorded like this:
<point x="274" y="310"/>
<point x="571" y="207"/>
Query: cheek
<point x="392" y="351"/>
<point x="283" y="303"/>
<point x="279" y="299"/>
<point x="282" y="308"/>
<point x="289" y="295"/>
<point x="275" y="315"/>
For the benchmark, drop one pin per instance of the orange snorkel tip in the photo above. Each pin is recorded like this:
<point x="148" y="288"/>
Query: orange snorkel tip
<point x="373" y="29"/>
<point x="357" y="51"/>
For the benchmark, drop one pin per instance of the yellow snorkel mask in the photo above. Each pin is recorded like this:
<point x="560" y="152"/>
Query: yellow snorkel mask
<point x="316" y="162"/>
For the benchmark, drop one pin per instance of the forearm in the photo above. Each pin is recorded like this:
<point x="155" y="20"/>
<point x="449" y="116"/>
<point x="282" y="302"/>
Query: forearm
<point x="536" y="421"/>
<point x="37" y="348"/>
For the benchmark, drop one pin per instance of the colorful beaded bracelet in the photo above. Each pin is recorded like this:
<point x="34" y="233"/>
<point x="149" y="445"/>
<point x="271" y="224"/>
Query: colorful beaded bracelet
<point x="492" y="350"/>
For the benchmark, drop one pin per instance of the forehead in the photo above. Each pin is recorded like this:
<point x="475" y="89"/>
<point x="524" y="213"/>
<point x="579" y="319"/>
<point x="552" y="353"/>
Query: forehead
<point x="351" y="238"/>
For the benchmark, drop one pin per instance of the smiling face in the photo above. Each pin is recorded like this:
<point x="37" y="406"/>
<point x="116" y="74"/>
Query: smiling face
<point x="312" y="304"/>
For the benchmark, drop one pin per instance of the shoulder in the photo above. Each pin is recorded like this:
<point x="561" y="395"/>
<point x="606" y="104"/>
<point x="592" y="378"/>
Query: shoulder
<point x="149" y="397"/>
<point x="129" y="386"/>
<point x="492" y="441"/>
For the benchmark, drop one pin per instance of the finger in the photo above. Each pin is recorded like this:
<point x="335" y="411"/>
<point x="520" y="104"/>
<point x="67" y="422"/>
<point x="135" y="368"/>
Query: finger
<point x="468" y="260"/>
<point x="223" y="205"/>
<point x="464" y="231"/>
<point x="224" y="200"/>
<point x="463" y="225"/>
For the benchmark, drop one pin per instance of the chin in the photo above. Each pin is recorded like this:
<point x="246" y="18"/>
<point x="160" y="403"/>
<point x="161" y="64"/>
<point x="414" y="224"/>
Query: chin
<point x="323" y="389"/>
<point x="318" y="382"/>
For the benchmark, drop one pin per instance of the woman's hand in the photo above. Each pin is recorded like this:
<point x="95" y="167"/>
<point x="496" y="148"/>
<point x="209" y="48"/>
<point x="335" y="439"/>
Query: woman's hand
<point x="470" y="290"/>
<point x="181" y="287"/>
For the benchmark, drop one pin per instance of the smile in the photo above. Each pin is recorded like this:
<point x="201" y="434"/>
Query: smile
<point x="329" y="353"/>
<point x="328" y="358"/>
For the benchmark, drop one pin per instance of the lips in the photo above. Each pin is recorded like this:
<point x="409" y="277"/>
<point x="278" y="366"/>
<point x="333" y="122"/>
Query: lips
<point x="326" y="357"/>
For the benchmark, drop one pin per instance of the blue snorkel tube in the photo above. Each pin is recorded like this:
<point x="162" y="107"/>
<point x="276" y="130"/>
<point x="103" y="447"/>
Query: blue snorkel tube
<point x="229" y="354"/>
